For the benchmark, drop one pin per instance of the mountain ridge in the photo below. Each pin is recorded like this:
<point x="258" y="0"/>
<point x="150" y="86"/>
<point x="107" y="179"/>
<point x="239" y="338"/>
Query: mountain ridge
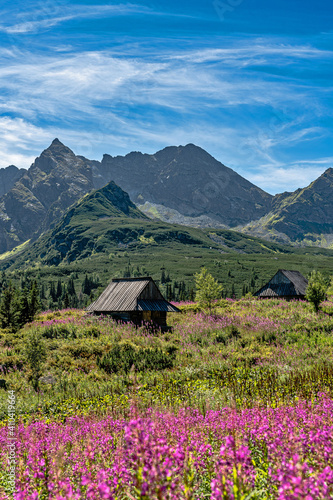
<point x="178" y="184"/>
<point x="58" y="178"/>
<point x="304" y="216"/>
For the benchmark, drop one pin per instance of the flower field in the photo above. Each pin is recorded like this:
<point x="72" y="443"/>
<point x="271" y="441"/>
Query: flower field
<point x="235" y="405"/>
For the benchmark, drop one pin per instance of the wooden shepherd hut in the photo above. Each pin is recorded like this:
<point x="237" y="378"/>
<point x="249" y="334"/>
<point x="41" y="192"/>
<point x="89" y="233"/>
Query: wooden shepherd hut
<point x="133" y="300"/>
<point x="284" y="285"/>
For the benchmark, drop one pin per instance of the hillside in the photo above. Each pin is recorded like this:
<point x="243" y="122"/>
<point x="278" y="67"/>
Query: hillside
<point x="105" y="234"/>
<point x="107" y="220"/>
<point x="304" y="217"/>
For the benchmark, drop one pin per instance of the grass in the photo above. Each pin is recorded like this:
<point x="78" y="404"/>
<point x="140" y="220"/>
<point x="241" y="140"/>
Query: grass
<point x="15" y="251"/>
<point x="233" y="405"/>
<point x="249" y="353"/>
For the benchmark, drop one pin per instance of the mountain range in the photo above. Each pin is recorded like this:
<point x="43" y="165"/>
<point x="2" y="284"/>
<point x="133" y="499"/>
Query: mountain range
<point x="183" y="185"/>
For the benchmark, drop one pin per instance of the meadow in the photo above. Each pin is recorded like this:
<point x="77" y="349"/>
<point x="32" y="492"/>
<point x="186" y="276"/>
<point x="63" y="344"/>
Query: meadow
<point x="236" y="404"/>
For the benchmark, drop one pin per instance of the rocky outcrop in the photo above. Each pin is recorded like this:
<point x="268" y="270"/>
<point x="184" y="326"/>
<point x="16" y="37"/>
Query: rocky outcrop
<point x="8" y="177"/>
<point x="305" y="215"/>
<point x="43" y="193"/>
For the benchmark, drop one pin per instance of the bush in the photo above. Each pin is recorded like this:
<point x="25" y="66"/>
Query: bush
<point x="59" y="332"/>
<point x="122" y="357"/>
<point x="316" y="289"/>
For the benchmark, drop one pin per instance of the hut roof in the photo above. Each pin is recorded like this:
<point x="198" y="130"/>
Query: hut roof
<point x="294" y="286"/>
<point x="126" y="294"/>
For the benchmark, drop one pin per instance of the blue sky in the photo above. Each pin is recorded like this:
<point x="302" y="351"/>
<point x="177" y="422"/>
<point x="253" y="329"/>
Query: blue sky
<point x="250" y="81"/>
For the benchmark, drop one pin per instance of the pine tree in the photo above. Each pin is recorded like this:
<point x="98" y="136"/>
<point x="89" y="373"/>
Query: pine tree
<point x="71" y="287"/>
<point x="59" y="290"/>
<point x="52" y="294"/>
<point x="24" y="308"/>
<point x="66" y="301"/>
<point x="9" y="308"/>
<point x="86" y="286"/>
<point x="34" y="301"/>
<point x="35" y="354"/>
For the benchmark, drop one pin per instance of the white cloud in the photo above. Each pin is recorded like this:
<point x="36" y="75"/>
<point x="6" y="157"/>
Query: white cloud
<point x="256" y="52"/>
<point x="18" y="139"/>
<point x="280" y="178"/>
<point x="47" y="17"/>
<point x="125" y="103"/>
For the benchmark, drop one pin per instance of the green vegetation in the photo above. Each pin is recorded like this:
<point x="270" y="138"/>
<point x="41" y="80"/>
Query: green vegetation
<point x="316" y="290"/>
<point x="250" y="352"/>
<point x="35" y="355"/>
<point x="105" y="236"/>
<point x="18" y="306"/>
<point x="15" y="251"/>
<point x="208" y="290"/>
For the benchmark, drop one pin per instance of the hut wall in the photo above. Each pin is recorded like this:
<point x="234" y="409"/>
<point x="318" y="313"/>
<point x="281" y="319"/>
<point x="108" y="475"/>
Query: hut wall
<point x="151" y="292"/>
<point x="159" y="317"/>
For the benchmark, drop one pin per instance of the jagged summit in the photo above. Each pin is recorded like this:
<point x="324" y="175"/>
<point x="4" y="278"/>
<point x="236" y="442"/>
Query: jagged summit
<point x="8" y="177"/>
<point x="182" y="184"/>
<point x="56" y="142"/>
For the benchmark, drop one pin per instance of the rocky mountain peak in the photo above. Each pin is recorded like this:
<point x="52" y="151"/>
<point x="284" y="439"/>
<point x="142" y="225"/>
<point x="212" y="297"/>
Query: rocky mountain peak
<point x="8" y="177"/>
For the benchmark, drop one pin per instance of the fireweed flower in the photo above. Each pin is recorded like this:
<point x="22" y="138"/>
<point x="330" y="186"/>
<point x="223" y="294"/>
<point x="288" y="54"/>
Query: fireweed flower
<point x="159" y="454"/>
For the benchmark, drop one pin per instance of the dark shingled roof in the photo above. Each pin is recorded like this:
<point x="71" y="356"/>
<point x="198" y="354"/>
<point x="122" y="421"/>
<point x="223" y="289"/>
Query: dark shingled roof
<point x="295" y="288"/>
<point x="123" y="295"/>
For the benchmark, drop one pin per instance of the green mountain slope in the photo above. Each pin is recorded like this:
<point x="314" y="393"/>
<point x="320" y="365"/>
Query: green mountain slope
<point x="302" y="217"/>
<point x="107" y="221"/>
<point x="105" y="234"/>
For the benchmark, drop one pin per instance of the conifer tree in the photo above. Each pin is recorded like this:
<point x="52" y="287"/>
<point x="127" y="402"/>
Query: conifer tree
<point x="34" y="301"/>
<point x="9" y="308"/>
<point x="24" y="307"/>
<point x="52" y="294"/>
<point x="86" y="286"/>
<point x="71" y="287"/>
<point x="59" y="290"/>
<point x="35" y="354"/>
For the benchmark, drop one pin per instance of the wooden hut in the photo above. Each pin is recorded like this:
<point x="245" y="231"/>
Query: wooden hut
<point x="284" y="285"/>
<point x="133" y="300"/>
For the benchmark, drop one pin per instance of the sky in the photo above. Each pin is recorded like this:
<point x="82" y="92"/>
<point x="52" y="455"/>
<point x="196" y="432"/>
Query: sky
<point x="250" y="81"/>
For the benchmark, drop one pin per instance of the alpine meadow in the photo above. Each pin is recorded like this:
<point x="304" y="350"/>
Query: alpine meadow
<point x="166" y="250"/>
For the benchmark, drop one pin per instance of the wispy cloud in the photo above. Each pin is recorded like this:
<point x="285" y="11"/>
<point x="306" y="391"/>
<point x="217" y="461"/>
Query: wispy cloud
<point x="44" y="18"/>
<point x="281" y="178"/>
<point x="18" y="141"/>
<point x="256" y="52"/>
<point x="223" y="99"/>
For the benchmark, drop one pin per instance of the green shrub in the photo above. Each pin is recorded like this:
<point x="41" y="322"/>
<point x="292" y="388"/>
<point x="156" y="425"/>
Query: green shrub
<point x="232" y="332"/>
<point x="122" y="357"/>
<point x="91" y="331"/>
<point x="59" y="332"/>
<point x="221" y="338"/>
